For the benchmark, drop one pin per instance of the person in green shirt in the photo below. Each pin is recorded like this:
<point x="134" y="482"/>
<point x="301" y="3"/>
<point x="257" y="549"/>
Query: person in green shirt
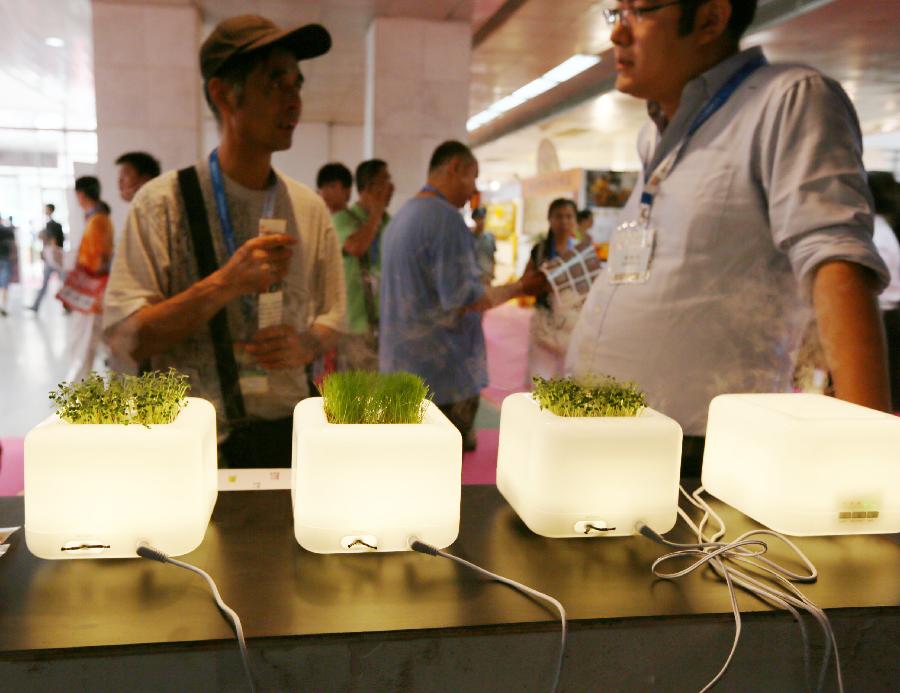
<point x="359" y="229"/>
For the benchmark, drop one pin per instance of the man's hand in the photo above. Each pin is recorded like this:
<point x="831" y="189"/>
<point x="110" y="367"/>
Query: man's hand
<point x="533" y="281"/>
<point x="375" y="197"/>
<point x="280" y="347"/>
<point x="258" y="264"/>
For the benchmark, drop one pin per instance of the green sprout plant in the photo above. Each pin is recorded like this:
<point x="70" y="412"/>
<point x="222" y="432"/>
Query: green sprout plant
<point x="363" y="397"/>
<point x="597" y="396"/>
<point x="151" y="398"/>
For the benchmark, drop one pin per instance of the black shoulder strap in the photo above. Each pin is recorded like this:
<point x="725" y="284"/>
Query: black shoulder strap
<point x="205" y="253"/>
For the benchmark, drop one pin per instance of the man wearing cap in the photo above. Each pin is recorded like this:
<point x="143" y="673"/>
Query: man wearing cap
<point x="230" y="271"/>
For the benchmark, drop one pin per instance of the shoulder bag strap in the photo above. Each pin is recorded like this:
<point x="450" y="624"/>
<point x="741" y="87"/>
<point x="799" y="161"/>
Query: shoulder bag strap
<point x="226" y="365"/>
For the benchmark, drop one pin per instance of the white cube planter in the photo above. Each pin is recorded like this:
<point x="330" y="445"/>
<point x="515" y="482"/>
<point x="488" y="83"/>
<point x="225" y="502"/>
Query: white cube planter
<point x="98" y="490"/>
<point x="588" y="476"/>
<point x="805" y="464"/>
<point x="369" y="487"/>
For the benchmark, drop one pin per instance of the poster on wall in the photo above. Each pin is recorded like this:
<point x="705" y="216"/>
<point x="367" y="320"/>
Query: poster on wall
<point x="605" y="193"/>
<point x="501" y="222"/>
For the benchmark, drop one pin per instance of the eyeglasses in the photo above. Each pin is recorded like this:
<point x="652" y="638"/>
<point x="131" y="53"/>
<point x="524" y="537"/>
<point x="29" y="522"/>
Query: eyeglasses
<point x="625" y="14"/>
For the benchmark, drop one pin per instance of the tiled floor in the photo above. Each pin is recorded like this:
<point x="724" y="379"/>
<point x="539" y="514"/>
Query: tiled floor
<point x="32" y="358"/>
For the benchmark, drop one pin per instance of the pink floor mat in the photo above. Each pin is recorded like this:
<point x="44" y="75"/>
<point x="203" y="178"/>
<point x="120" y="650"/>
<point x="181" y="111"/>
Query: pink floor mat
<point x="506" y="338"/>
<point x="480" y="466"/>
<point x="12" y="470"/>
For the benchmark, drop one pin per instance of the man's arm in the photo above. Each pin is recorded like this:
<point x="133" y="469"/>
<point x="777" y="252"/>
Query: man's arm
<point x="359" y="242"/>
<point x="531" y="283"/>
<point x="256" y="265"/>
<point x="852" y="333"/>
<point x="374" y="200"/>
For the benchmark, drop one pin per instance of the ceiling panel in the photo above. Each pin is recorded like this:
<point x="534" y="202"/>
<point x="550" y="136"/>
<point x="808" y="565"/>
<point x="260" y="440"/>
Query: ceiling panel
<point x="855" y="41"/>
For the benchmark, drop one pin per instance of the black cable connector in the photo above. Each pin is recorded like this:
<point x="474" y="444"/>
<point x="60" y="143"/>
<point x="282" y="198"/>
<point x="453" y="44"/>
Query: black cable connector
<point x="648" y="532"/>
<point x="422" y="547"/>
<point x="145" y="551"/>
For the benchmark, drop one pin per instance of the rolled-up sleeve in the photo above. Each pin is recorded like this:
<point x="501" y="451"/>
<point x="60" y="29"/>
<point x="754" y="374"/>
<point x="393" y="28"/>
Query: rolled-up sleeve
<point x="819" y="204"/>
<point x="330" y="291"/>
<point x="139" y="274"/>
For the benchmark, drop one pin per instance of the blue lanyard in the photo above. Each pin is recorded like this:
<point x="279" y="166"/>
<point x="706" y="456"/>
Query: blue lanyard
<point x="215" y="171"/>
<point x="428" y="187"/>
<point x="654" y="180"/>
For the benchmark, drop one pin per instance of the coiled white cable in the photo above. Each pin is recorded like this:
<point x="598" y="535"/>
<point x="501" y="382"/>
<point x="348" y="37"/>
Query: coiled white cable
<point x="748" y="550"/>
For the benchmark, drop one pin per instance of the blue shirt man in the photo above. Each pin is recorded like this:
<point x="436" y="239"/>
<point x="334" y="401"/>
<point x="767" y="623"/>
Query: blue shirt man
<point x="429" y="275"/>
<point x="431" y="293"/>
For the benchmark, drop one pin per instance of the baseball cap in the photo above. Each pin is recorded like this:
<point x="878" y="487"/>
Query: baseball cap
<point x="249" y="32"/>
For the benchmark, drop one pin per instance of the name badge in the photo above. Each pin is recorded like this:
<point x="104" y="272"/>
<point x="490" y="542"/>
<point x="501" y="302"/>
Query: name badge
<point x="254" y="382"/>
<point x="630" y="253"/>
<point x="271" y="304"/>
<point x="271" y="309"/>
<point x="269" y="227"/>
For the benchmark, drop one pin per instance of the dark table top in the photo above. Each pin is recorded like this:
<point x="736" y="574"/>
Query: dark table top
<point x="282" y="590"/>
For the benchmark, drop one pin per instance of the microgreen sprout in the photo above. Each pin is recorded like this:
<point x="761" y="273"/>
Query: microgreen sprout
<point x="152" y="398"/>
<point x="603" y="396"/>
<point x="374" y="398"/>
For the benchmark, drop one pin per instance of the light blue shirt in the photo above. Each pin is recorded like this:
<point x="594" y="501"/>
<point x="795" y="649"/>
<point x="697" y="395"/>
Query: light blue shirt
<point x="769" y="188"/>
<point x="428" y="275"/>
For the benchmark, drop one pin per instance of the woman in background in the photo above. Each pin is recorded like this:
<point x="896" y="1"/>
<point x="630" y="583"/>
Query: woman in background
<point x="552" y="324"/>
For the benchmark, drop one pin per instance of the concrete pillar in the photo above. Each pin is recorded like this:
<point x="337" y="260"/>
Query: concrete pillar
<point x="417" y="94"/>
<point x="148" y="86"/>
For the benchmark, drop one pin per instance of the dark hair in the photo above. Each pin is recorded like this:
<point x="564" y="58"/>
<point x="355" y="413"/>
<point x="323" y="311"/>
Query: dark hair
<point x="51" y="207"/>
<point x="448" y="150"/>
<point x="332" y="172"/>
<point x="145" y="164"/>
<point x="562" y="202"/>
<point x="584" y="214"/>
<point x="235" y="72"/>
<point x="88" y="186"/>
<point x="366" y="172"/>
<point x="742" y="12"/>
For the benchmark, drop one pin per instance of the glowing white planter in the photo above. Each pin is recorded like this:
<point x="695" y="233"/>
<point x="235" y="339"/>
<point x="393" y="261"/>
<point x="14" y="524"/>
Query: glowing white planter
<point x="113" y="486"/>
<point x="576" y="476"/>
<point x="805" y="464"/>
<point x="359" y="486"/>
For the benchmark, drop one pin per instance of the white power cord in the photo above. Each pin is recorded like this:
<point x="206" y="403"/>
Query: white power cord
<point x="748" y="550"/>
<point x="145" y="551"/>
<point x="422" y="547"/>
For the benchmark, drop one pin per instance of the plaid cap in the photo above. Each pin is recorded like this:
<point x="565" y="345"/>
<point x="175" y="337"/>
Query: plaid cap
<point x="249" y="32"/>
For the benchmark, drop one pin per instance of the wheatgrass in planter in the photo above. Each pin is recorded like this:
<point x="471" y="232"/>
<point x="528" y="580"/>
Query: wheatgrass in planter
<point x="375" y="462"/>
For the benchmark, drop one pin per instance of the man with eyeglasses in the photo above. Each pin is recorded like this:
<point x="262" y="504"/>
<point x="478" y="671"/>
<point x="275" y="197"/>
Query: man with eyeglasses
<point x="228" y="270"/>
<point x="751" y="217"/>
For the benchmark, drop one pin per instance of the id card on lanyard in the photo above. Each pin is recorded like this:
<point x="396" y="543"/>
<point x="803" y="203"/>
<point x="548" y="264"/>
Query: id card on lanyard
<point x="253" y="379"/>
<point x="632" y="244"/>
